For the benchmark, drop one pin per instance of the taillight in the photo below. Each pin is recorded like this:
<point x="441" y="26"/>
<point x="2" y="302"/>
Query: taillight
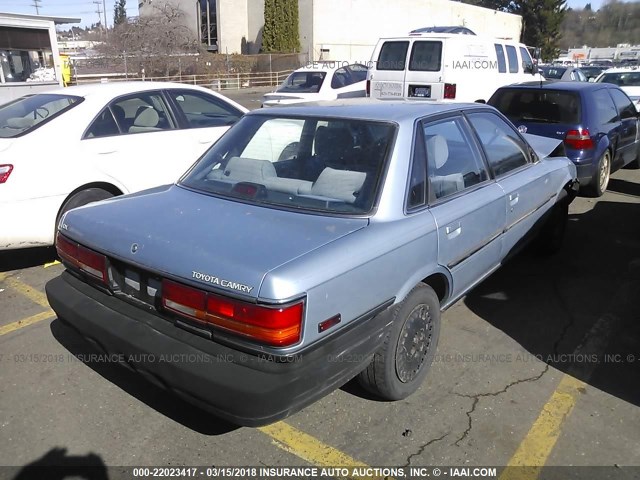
<point x="368" y="88"/>
<point x="88" y="261"/>
<point x="278" y="326"/>
<point x="450" y="90"/>
<point x="5" y="171"/>
<point x="578" y="139"/>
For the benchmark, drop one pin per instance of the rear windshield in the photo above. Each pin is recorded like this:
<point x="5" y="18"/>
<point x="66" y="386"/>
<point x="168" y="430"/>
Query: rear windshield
<point x="25" y="114"/>
<point x="553" y="72"/>
<point x="392" y="56"/>
<point x="548" y="106"/>
<point x="623" y="79"/>
<point x="426" y="56"/>
<point x="303" y="163"/>
<point x="303" y="82"/>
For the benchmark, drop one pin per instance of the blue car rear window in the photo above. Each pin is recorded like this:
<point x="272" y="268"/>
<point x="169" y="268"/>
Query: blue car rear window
<point x="547" y="106"/>
<point x="304" y="163"/>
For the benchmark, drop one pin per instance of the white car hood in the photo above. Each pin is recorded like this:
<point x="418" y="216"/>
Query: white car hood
<point x="5" y="143"/>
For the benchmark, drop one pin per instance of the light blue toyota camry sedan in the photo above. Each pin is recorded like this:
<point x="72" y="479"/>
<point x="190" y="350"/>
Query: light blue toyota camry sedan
<point x="309" y="245"/>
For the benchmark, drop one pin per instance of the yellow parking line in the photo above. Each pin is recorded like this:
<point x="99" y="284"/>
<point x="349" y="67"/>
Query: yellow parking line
<point x="309" y="448"/>
<point x="25" y="290"/>
<point x="536" y="447"/>
<point x="12" y="327"/>
<point x="51" y="264"/>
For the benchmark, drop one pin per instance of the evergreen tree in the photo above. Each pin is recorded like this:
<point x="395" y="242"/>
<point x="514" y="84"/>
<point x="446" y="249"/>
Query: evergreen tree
<point x="280" y="33"/>
<point x="120" y="12"/>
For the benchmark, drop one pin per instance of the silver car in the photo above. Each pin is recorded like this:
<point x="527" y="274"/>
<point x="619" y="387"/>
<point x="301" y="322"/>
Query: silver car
<point x="308" y="246"/>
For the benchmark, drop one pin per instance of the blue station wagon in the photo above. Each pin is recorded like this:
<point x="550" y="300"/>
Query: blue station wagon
<point x="597" y="122"/>
<point x="308" y="246"/>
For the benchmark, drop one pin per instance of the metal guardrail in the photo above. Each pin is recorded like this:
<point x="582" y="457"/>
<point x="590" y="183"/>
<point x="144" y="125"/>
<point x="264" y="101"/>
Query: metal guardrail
<point x="225" y="81"/>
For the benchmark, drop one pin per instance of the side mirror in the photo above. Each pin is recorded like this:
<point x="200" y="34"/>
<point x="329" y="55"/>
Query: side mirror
<point x="529" y="67"/>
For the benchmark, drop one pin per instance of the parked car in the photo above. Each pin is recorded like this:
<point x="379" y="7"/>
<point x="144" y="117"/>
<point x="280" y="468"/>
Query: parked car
<point x="319" y="81"/>
<point x="592" y="71"/>
<point x="627" y="79"/>
<point x="256" y="287"/>
<point x="453" y="66"/>
<point x="597" y="122"/>
<point x="566" y="74"/>
<point x="68" y="147"/>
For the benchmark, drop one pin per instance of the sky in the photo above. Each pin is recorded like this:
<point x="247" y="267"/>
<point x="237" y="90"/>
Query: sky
<point x="86" y="10"/>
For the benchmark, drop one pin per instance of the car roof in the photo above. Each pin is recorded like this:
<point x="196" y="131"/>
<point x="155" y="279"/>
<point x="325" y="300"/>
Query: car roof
<point x="558" y="85"/>
<point x="622" y="70"/>
<point x="326" y="66"/>
<point x="368" y="109"/>
<point x="114" y="89"/>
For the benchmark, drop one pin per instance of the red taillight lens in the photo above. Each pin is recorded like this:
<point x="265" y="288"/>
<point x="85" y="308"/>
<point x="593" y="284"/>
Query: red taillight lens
<point x="368" y="88"/>
<point x="5" y="171"/>
<point x="450" y="90"/>
<point x="578" y="139"/>
<point x="82" y="258"/>
<point x="277" y="326"/>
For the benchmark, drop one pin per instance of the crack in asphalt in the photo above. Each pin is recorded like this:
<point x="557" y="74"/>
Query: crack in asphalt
<point x="476" y="398"/>
<point x="424" y="447"/>
<point x="569" y="314"/>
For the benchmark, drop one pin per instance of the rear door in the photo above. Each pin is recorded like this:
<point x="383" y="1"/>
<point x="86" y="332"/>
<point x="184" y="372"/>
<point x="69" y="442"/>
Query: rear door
<point x="468" y="207"/>
<point x="423" y="77"/>
<point x="526" y="184"/>
<point x="388" y="69"/>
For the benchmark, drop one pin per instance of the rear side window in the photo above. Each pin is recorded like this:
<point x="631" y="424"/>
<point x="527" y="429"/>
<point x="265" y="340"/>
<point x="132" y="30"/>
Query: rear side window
<point x="623" y="104"/>
<point x="392" y="56"/>
<point x="426" y="56"/>
<point x="502" y="62"/>
<point x="544" y="106"/>
<point x="27" y="113"/>
<point x="512" y="55"/>
<point x="605" y="109"/>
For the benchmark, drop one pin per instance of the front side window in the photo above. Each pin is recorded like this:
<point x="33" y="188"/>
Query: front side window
<point x="504" y="149"/>
<point x="527" y="63"/>
<point x="502" y="63"/>
<point x="453" y="165"/>
<point x="202" y="110"/>
<point x="302" y="163"/>
<point x="512" y="55"/>
<point x="426" y="56"/>
<point x="393" y="56"/>
<point x="27" y="113"/>
<point x="303" y="82"/>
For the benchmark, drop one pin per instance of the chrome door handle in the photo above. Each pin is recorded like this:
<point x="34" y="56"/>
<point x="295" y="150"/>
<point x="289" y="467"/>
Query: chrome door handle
<point x="453" y="231"/>
<point x="513" y="198"/>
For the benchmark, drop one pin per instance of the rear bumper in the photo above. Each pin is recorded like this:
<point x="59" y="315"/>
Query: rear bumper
<point x="28" y="223"/>
<point x="240" y="387"/>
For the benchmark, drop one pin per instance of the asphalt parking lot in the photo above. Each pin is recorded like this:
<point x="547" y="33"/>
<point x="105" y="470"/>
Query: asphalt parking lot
<point x="538" y="366"/>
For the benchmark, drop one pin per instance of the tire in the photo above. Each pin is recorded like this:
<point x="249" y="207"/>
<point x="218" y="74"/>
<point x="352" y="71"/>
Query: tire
<point x="79" y="199"/>
<point x="600" y="179"/>
<point x="551" y="236"/>
<point x="399" y="367"/>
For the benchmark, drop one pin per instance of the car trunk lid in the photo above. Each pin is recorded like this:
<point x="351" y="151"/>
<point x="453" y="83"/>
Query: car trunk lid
<point x="219" y="244"/>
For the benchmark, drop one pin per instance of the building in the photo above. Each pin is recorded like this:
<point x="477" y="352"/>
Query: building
<point x="619" y="53"/>
<point x="29" y="55"/>
<point x="332" y="29"/>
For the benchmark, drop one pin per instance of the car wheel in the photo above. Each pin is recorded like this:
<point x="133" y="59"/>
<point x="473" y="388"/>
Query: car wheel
<point x="600" y="179"/>
<point x="399" y="367"/>
<point x="79" y="199"/>
<point x="551" y="237"/>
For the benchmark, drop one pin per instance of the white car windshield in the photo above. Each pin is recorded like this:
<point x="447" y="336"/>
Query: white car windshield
<point x="622" y="79"/>
<point x="303" y="163"/>
<point x="25" y="114"/>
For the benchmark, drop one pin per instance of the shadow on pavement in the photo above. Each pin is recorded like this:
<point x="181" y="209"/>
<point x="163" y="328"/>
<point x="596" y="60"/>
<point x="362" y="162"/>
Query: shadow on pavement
<point x="134" y="384"/>
<point x="26" y="258"/>
<point x="579" y="310"/>
<point x="624" y="187"/>
<point x="57" y="465"/>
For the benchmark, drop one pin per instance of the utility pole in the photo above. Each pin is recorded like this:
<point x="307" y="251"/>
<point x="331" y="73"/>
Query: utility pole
<point x="98" y="3"/>
<point x="36" y="4"/>
<point x="104" y="9"/>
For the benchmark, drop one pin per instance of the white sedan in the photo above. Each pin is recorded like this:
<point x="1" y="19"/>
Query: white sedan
<point x="320" y="81"/>
<point x="627" y="78"/>
<point x="69" y="147"/>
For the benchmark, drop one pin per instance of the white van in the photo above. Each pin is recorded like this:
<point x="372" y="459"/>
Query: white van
<point x="437" y="66"/>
